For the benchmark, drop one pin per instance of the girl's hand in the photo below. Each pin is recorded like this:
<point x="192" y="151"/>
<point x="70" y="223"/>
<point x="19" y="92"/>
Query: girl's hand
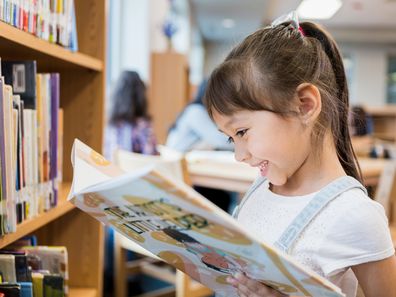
<point x="252" y="288"/>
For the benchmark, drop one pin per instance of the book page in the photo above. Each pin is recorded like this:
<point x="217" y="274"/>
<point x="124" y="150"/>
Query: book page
<point x="184" y="229"/>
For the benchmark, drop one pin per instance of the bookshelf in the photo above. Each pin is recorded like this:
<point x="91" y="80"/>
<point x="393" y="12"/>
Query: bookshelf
<point x="82" y="77"/>
<point x="169" y="90"/>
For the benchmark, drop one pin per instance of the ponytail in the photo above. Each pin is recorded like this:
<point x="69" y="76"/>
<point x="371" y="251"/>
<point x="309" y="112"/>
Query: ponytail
<point x="343" y="143"/>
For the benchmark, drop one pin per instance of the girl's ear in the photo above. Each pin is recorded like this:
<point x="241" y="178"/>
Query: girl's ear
<point x="309" y="102"/>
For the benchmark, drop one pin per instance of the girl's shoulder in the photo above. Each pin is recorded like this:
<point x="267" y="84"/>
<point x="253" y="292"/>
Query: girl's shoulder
<point x="355" y="215"/>
<point x="355" y="209"/>
<point x="355" y="231"/>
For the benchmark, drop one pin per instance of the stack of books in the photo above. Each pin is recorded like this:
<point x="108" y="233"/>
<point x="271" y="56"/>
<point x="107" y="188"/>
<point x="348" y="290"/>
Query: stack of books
<point x="30" y="142"/>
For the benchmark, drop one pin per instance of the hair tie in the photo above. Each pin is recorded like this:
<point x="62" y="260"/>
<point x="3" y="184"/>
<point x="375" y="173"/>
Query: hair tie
<point x="301" y="30"/>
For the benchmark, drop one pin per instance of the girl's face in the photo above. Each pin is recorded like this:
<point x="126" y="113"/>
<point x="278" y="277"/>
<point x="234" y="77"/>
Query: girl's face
<point x="278" y="146"/>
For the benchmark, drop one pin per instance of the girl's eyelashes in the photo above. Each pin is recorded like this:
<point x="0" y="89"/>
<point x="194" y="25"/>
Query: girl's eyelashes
<point x="241" y="133"/>
<point x="238" y="134"/>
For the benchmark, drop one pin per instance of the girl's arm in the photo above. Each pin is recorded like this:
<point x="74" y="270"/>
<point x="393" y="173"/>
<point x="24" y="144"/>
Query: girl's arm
<point x="377" y="279"/>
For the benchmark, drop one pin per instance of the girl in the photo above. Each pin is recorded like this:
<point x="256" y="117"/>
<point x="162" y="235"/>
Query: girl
<point x="281" y="96"/>
<point x="129" y="126"/>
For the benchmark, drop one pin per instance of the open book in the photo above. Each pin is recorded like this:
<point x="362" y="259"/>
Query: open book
<point x="170" y="220"/>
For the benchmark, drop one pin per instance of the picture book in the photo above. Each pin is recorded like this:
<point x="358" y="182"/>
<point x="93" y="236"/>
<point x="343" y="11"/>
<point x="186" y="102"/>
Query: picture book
<point x="169" y="219"/>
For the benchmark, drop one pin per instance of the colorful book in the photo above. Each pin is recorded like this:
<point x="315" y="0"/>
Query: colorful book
<point x="7" y="268"/>
<point x="51" y="258"/>
<point x="10" y="289"/>
<point x="54" y="103"/>
<point x="21" y="75"/>
<point x="26" y="289"/>
<point x="53" y="285"/>
<point x="37" y="280"/>
<point x="170" y="220"/>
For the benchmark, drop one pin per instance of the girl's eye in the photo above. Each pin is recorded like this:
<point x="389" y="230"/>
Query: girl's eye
<point x="238" y="134"/>
<point x="241" y="133"/>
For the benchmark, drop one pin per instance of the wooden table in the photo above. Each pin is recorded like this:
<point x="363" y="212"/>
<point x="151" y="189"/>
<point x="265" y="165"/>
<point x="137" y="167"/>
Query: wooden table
<point x="222" y="172"/>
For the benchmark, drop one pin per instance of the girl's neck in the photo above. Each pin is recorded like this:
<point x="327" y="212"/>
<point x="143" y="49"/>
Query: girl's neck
<point x="316" y="172"/>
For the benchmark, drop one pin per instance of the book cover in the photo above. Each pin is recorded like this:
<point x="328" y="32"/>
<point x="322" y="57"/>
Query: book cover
<point x="51" y="258"/>
<point x="10" y="290"/>
<point x="7" y="268"/>
<point x="53" y="285"/>
<point x="53" y="153"/>
<point x="175" y="223"/>
<point x="3" y="185"/>
<point x="26" y="289"/>
<point x="21" y="75"/>
<point x="22" y="273"/>
<point x="8" y="158"/>
<point x="37" y="280"/>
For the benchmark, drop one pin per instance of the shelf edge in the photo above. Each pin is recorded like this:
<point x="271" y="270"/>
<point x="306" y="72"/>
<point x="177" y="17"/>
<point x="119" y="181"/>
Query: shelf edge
<point x="42" y="46"/>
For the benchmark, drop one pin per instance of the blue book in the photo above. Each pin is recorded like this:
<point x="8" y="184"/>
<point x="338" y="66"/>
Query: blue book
<point x="26" y="289"/>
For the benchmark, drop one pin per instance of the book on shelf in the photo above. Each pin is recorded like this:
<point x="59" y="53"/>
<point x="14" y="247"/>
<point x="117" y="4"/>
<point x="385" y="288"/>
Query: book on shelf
<point x="10" y="289"/>
<point x="50" y="20"/>
<point x="171" y="221"/>
<point x="43" y="269"/>
<point x="30" y="134"/>
<point x="21" y="75"/>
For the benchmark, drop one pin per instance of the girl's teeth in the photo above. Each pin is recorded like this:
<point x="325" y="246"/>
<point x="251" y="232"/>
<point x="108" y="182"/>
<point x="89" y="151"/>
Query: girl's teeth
<point x="263" y="164"/>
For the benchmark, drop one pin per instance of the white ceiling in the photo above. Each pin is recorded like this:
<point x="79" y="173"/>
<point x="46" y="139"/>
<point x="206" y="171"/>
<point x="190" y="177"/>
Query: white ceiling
<point x="357" y="19"/>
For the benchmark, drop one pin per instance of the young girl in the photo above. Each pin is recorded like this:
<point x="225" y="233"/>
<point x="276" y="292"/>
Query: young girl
<point x="281" y="96"/>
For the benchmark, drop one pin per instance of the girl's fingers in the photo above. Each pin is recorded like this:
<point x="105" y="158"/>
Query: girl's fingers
<point x="253" y="285"/>
<point x="251" y="288"/>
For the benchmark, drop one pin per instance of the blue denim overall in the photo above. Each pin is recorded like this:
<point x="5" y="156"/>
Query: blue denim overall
<point x="310" y="211"/>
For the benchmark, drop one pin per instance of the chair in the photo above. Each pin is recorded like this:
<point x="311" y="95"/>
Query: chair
<point x="169" y="163"/>
<point x="385" y="194"/>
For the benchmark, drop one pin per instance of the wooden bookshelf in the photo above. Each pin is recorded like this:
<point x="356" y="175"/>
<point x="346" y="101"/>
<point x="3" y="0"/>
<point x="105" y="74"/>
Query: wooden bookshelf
<point x="15" y="42"/>
<point x="82" y="77"/>
<point x="82" y="292"/>
<point x="28" y="226"/>
<point x="169" y="90"/>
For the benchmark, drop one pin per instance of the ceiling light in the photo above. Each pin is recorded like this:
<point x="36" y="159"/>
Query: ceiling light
<point x="318" y="9"/>
<point x="228" y="23"/>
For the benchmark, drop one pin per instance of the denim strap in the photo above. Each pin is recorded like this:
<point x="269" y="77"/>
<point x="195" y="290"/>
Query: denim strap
<point x="314" y="207"/>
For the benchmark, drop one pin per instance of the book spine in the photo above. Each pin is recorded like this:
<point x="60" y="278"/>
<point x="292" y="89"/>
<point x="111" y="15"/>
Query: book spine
<point x="54" y="135"/>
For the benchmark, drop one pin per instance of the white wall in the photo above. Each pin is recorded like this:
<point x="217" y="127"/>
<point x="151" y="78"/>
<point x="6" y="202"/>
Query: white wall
<point x="370" y="66"/>
<point x="134" y="41"/>
<point x="371" y="69"/>
<point x="135" y="30"/>
<point x="215" y="52"/>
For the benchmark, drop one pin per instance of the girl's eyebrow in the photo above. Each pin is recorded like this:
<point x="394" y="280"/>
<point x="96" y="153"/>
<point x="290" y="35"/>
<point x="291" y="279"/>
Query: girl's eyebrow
<point x="230" y="122"/>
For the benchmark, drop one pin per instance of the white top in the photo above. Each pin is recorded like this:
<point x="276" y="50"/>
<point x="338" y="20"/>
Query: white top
<point x="350" y="230"/>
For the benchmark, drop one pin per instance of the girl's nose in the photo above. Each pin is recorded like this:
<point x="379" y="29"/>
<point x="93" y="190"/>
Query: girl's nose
<point x="241" y="153"/>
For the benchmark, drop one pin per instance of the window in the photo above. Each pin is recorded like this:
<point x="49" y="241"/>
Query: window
<point x="349" y="71"/>
<point x="391" y="87"/>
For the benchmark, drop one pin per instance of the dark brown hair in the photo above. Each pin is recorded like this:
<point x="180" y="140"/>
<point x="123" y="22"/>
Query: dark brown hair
<point x="129" y="99"/>
<point x="265" y="69"/>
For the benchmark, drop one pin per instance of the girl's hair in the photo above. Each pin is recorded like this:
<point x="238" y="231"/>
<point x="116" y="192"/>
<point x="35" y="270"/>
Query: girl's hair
<point x="265" y="69"/>
<point x="359" y="121"/>
<point x="129" y="99"/>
